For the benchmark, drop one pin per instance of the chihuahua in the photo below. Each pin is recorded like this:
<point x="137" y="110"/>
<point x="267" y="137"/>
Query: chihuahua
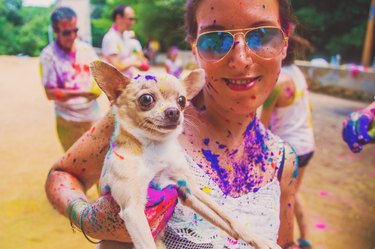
<point x="148" y="112"/>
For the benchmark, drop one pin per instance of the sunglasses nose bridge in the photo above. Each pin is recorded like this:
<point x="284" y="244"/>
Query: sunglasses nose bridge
<point x="238" y="41"/>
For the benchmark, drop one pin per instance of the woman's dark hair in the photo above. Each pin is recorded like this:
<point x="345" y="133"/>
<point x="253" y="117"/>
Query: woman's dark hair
<point x="118" y="10"/>
<point x="191" y="27"/>
<point x="298" y="48"/>
<point x="62" y="13"/>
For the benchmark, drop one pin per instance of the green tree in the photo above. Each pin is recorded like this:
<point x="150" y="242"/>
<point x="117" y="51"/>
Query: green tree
<point x="334" y="26"/>
<point x="23" y="29"/>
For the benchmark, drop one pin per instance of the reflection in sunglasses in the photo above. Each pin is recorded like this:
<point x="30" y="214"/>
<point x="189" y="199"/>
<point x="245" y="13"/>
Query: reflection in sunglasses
<point x="265" y="42"/>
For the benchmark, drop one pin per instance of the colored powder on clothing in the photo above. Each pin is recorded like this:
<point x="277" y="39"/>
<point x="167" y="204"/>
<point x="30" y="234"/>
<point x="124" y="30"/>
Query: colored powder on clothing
<point x="242" y="177"/>
<point x="272" y="98"/>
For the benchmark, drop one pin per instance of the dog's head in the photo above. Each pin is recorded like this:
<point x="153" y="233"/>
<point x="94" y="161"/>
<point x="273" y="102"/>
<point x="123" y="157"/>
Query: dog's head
<point x="149" y="106"/>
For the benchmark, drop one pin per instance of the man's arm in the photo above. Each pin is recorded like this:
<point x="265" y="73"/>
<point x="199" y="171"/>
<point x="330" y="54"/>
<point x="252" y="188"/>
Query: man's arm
<point x="58" y="94"/>
<point x="281" y="96"/>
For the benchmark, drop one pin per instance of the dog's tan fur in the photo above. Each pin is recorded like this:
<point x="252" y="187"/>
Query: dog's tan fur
<point x="146" y="148"/>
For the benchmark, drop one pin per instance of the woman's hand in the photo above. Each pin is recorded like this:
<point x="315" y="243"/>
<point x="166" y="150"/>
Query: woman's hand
<point x="356" y="130"/>
<point x="101" y="217"/>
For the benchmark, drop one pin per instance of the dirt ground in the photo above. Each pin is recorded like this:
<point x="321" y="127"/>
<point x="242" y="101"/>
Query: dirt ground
<point x="338" y="187"/>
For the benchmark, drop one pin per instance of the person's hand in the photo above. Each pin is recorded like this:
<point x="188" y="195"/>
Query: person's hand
<point x="101" y="220"/>
<point x="357" y="129"/>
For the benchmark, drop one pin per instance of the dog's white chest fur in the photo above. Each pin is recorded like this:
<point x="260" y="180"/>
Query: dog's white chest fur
<point x="156" y="163"/>
<point x="158" y="157"/>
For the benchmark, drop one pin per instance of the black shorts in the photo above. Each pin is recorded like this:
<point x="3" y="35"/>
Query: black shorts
<point x="303" y="160"/>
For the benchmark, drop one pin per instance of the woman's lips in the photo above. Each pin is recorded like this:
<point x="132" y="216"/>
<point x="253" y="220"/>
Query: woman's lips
<point x="241" y="84"/>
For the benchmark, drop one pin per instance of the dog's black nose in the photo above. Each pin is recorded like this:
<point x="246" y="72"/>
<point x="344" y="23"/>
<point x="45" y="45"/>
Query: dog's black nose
<point x="172" y="113"/>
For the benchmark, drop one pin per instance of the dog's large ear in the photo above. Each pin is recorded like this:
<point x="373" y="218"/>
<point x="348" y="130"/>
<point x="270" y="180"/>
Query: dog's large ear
<point x="109" y="79"/>
<point x="194" y="82"/>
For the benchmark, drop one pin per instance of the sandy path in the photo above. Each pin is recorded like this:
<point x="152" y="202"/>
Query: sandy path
<point x="338" y="187"/>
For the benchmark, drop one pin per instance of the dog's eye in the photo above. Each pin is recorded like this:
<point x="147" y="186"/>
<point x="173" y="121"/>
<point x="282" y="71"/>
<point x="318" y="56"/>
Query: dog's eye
<point x="146" y="100"/>
<point x="181" y="101"/>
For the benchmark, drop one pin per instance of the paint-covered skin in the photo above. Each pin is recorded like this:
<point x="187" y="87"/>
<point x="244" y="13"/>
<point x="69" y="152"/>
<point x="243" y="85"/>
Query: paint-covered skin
<point x="102" y="215"/>
<point x="357" y="130"/>
<point x="79" y="169"/>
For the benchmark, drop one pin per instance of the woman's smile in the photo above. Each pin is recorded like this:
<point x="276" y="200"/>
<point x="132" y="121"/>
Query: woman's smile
<point x="242" y="83"/>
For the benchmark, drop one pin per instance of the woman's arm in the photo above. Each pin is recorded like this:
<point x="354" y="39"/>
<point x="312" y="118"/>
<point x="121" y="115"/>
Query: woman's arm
<point x="79" y="169"/>
<point x="288" y="189"/>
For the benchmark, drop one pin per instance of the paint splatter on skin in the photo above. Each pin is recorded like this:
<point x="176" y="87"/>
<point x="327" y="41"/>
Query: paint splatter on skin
<point x="237" y="176"/>
<point x="235" y="44"/>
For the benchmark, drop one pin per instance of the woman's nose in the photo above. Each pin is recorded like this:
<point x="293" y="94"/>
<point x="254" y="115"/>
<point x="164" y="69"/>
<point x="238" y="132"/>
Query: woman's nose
<point x="240" y="56"/>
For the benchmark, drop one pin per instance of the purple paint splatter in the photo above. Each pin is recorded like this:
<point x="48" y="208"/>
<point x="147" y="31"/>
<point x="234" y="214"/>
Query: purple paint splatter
<point x="137" y="77"/>
<point x="150" y="77"/>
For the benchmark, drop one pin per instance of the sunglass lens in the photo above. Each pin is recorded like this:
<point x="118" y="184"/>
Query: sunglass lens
<point x="265" y="42"/>
<point x="69" y="32"/>
<point x="215" y="45"/>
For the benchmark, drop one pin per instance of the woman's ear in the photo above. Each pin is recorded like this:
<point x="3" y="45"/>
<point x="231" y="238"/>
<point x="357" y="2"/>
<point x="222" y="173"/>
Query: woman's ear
<point x="109" y="79"/>
<point x="285" y="50"/>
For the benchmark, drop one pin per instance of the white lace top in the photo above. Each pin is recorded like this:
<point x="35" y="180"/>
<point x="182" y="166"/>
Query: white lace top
<point x="258" y="211"/>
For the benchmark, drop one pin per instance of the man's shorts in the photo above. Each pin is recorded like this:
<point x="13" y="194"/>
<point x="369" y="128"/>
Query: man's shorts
<point x="303" y="160"/>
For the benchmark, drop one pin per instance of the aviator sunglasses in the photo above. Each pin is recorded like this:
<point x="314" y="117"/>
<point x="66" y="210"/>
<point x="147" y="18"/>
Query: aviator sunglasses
<point x="69" y="32"/>
<point x="265" y="42"/>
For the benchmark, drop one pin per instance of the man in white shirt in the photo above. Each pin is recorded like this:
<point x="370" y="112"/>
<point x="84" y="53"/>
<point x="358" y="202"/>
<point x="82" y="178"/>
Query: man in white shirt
<point x="117" y="46"/>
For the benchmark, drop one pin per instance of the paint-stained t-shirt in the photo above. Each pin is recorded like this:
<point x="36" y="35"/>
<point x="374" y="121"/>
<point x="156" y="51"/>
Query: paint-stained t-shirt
<point x="122" y="45"/>
<point x="63" y="70"/>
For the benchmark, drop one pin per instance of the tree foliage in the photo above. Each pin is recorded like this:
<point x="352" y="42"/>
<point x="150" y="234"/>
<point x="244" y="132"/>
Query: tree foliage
<point x="24" y="30"/>
<point x="333" y="26"/>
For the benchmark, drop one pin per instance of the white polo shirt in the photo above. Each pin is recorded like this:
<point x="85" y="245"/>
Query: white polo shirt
<point x="116" y="43"/>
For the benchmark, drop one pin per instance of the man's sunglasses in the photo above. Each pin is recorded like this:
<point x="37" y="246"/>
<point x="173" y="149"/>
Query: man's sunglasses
<point x="265" y="42"/>
<point x="69" y="32"/>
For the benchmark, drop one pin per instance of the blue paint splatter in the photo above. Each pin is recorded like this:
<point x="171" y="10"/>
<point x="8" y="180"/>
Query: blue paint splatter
<point x="240" y="175"/>
<point x="137" y="77"/>
<point x="206" y="141"/>
<point x="222" y="146"/>
<point x="150" y="77"/>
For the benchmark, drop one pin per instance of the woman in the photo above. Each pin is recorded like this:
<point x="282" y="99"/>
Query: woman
<point x="235" y="159"/>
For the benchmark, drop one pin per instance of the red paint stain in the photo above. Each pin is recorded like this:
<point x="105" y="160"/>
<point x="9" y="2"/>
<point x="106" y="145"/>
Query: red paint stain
<point x="118" y="155"/>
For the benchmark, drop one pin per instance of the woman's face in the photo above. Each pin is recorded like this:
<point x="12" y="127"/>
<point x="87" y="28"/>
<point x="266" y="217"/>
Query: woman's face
<point x="241" y="81"/>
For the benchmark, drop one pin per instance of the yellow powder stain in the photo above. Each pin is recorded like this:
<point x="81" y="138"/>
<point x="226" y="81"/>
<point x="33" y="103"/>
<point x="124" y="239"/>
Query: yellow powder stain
<point x="207" y="190"/>
<point x="229" y="167"/>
